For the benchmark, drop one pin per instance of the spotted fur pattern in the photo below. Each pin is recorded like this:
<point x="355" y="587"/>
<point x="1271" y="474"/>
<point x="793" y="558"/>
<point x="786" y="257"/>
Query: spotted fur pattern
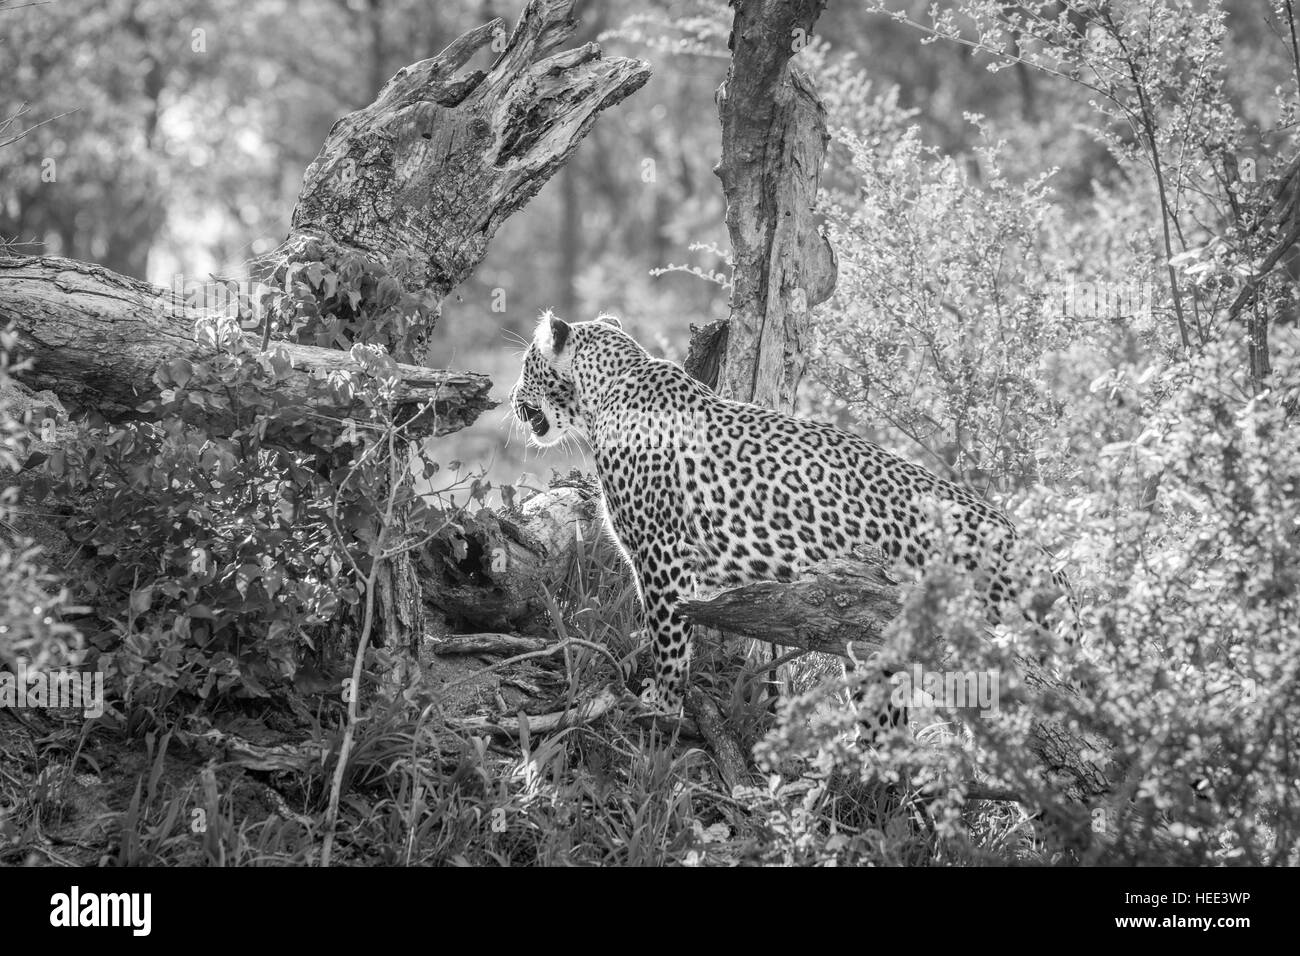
<point x="703" y="493"/>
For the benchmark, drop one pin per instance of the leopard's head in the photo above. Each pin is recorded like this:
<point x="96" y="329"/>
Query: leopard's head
<point x="564" y="366"/>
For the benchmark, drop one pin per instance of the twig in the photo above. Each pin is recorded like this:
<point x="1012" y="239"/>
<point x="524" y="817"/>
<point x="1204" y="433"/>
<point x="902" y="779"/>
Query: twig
<point x="349" y="732"/>
<point x="1252" y="285"/>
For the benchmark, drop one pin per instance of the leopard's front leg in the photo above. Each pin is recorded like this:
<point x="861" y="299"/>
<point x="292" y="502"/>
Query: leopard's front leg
<point x="644" y="509"/>
<point x="664" y="579"/>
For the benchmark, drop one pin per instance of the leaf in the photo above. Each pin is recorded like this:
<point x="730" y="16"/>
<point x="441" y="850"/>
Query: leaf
<point x="141" y="600"/>
<point x="314" y="272"/>
<point x="180" y="371"/>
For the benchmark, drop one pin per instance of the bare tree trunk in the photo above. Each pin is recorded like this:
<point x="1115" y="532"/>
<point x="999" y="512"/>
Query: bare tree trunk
<point x="774" y="142"/>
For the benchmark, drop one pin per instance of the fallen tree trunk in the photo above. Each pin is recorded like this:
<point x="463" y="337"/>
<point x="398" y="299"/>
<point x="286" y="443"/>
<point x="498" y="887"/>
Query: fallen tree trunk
<point x="844" y="607"/>
<point x="97" y="338"/>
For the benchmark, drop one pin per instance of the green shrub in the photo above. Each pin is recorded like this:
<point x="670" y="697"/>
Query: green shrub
<point x="33" y="599"/>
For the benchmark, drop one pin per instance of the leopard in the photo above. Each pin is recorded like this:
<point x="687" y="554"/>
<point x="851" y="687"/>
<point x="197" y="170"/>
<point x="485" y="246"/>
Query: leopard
<point x="702" y="493"/>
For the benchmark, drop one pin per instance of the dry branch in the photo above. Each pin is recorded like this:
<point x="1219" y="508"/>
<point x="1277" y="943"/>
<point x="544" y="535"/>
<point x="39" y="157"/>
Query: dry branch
<point x="585" y="712"/>
<point x="486" y="644"/>
<point x="732" y="764"/>
<point x="296" y="757"/>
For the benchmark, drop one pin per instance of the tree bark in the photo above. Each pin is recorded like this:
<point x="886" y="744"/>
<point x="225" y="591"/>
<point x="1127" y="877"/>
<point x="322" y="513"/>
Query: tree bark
<point x="97" y="339"/>
<point x="774" y="142"/>
<point x="847" y="605"/>
<point x="429" y="171"/>
<point x="487" y="644"/>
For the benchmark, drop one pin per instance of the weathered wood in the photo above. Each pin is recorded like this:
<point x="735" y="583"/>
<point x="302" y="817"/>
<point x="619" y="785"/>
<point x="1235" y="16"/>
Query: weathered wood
<point x="843" y="607"/>
<point x="441" y="158"/>
<point x="584" y="712"/>
<point x="732" y="765"/>
<point x="97" y="339"/>
<point x="486" y="644"/>
<point x="840" y="602"/>
<point x="492" y="571"/>
<point x="294" y="757"/>
<point x="774" y="143"/>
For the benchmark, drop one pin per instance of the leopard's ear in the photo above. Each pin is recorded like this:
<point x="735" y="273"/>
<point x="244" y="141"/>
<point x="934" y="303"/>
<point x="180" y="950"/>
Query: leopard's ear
<point x="608" y="319"/>
<point x="551" y="336"/>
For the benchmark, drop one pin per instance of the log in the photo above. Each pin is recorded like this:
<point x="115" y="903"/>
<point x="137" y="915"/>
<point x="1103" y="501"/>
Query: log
<point x="584" y="712"/>
<point x="732" y="764"/>
<point x="838" y="603"/>
<point x="302" y="757"/>
<point x="843" y="607"/>
<point x="774" y="142"/>
<point x="492" y="571"/>
<point x="97" y="339"/>
<point x="486" y="644"/>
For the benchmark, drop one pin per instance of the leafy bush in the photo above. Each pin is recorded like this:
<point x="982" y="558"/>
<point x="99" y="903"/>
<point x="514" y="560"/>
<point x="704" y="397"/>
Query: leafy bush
<point x="235" y="522"/>
<point x="1149" y="436"/>
<point x="33" y="599"/>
